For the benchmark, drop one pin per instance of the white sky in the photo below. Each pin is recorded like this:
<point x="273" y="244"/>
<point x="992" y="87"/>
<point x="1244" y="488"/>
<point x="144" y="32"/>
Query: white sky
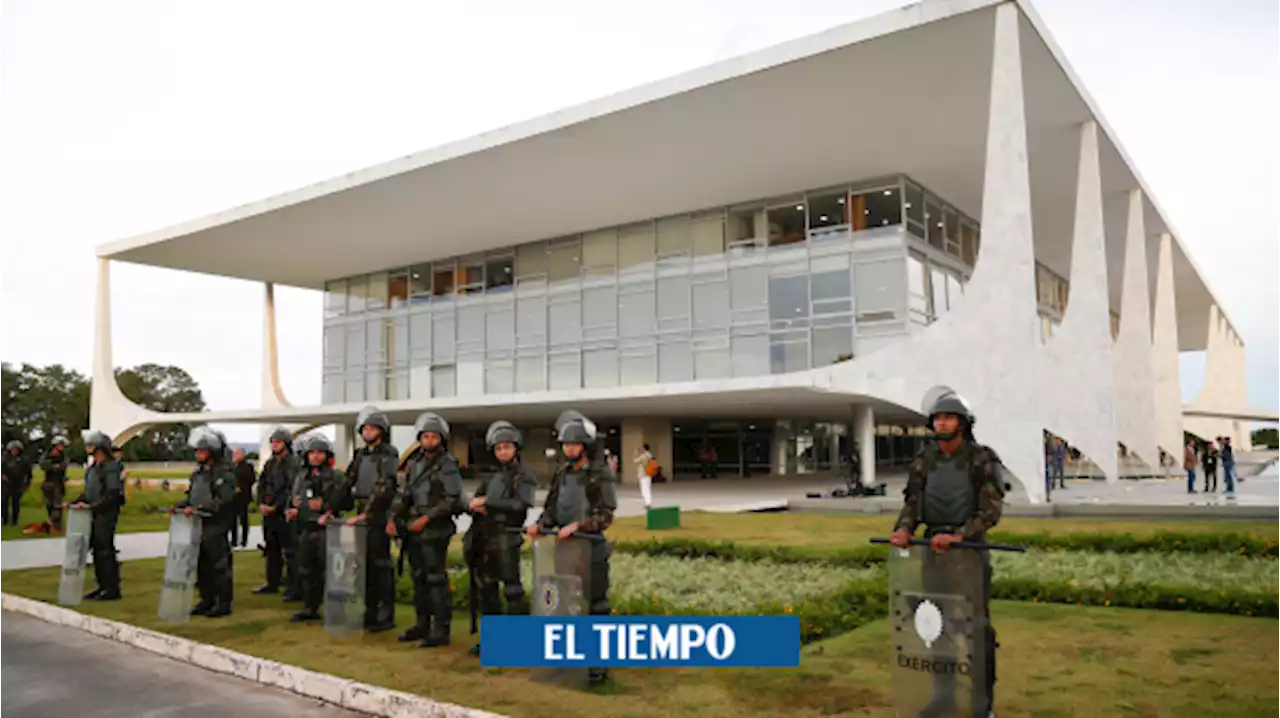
<point x="122" y="117"/>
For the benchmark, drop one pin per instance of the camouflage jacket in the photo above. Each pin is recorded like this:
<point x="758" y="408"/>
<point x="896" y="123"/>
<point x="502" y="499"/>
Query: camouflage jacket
<point x="17" y="472"/>
<point x="602" y="499"/>
<point x="432" y="488"/>
<point x="55" y="468"/>
<point x="386" y="459"/>
<point x="319" y="482"/>
<point x="508" y="494"/>
<point x="984" y="472"/>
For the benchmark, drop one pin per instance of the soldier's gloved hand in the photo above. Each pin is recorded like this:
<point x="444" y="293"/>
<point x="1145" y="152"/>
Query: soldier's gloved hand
<point x="355" y="520"/>
<point x="477" y="504"/>
<point x="419" y="524"/>
<point x="569" y="530"/>
<point x="315" y="504"/>
<point x="942" y="542"/>
<point x="391" y="528"/>
<point x="188" y="511"/>
<point x="532" y="531"/>
<point x="290" y="514"/>
<point x="900" y="538"/>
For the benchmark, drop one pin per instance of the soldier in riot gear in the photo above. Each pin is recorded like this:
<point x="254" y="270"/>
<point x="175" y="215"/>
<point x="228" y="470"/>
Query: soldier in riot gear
<point x="293" y="587"/>
<point x="955" y="489"/>
<point x="371" y="480"/>
<point x="582" y="499"/>
<point x="318" y="494"/>
<point x="102" y="492"/>
<point x="423" y="514"/>
<point x="17" y="477"/>
<point x="211" y="494"/>
<point x="275" y="488"/>
<point x="498" y="511"/>
<point x="54" y="487"/>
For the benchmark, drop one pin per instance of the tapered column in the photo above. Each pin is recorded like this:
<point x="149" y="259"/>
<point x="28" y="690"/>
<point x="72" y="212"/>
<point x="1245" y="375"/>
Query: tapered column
<point x="864" y="430"/>
<point x="1164" y="356"/>
<point x="1134" y="380"/>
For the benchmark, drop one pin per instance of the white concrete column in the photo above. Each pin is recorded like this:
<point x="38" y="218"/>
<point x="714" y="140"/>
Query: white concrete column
<point x="272" y="392"/>
<point x="343" y="447"/>
<point x="779" y="458"/>
<point x="864" y="432"/>
<point x="638" y="431"/>
<point x="1134" y="380"/>
<point x="109" y="410"/>
<point x="1164" y="356"/>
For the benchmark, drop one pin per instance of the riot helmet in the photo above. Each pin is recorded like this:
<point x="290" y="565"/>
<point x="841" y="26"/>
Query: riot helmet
<point x="952" y="403"/>
<point x="94" y="440"/>
<point x="573" y="424"/>
<point x="371" y="416"/>
<point x="202" y="437"/>
<point x="12" y="445"/>
<point x="433" y="422"/>
<point x="502" y="431"/>
<point x="318" y="442"/>
<point x="282" y="434"/>
<point x="59" y="440"/>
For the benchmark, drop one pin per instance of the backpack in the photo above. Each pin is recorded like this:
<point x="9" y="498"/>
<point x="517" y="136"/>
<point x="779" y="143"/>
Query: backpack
<point x="651" y="468"/>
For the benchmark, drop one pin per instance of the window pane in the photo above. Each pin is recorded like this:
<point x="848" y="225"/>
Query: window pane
<point x="675" y="236"/>
<point x="442" y="280"/>
<point x="398" y="340"/>
<point x="375" y="342"/>
<point x="532" y="320"/>
<point x="566" y="260"/>
<point x="564" y="372"/>
<point x="786" y="224"/>
<point x="915" y="204"/>
<point x="500" y="330"/>
<point x="953" y="232"/>
<point x="675" y="361"/>
<point x="566" y="322"/>
<point x="879" y="289"/>
<point x="967" y="250"/>
<point x="470" y="276"/>
<point x="398" y="289"/>
<point x="749" y="288"/>
<point x="420" y="381"/>
<point x="442" y="338"/>
<point x="357" y="292"/>
<point x="636" y="314"/>
<point x="470" y="328"/>
<point x="444" y="381"/>
<point x="831" y="344"/>
<point x="712" y="363"/>
<point x="673" y="297"/>
<point x="711" y="305"/>
<point x="355" y="345"/>
<point x="833" y="284"/>
<point x="397" y="386"/>
<point x="939" y="286"/>
<point x="789" y="357"/>
<point x="498" y="274"/>
<point x="933" y="224"/>
<point x="636" y="245"/>
<point x="600" y="367"/>
<point x="470" y="368"/>
<point x="419" y="282"/>
<point x="953" y="290"/>
<point x="375" y="386"/>
<point x="915" y="275"/>
<point x="788" y="297"/>
<point x="747" y="224"/>
<point x="335" y="298"/>
<point x="882" y="207"/>
<point x="600" y="308"/>
<point x="639" y="370"/>
<point x="331" y="390"/>
<point x="499" y="378"/>
<point x="377" y="291"/>
<point x="600" y="248"/>
<point x="334" y="343"/>
<point x="420" y="335"/>
<point x="531" y="374"/>
<point x="828" y="210"/>
<point x="708" y="235"/>
<point x="751" y="355"/>
<point x="531" y="260"/>
<point x="355" y="386"/>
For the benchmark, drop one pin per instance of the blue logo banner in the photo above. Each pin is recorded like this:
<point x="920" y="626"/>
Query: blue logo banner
<point x="640" y="641"/>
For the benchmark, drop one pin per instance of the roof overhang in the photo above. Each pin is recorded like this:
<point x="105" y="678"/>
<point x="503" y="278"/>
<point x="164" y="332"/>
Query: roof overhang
<point x="905" y="91"/>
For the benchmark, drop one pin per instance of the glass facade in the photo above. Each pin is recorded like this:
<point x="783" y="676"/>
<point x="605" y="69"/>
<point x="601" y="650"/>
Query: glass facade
<point x="763" y="287"/>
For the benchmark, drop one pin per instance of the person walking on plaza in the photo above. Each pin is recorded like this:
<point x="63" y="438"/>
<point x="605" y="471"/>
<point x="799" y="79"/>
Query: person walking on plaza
<point x="318" y="493"/>
<point x="954" y="488"/>
<point x="422" y="515"/>
<point x="371" y="479"/>
<point x="244" y="496"/>
<point x="1060" y="462"/>
<point x="1189" y="464"/>
<point x="54" y="487"/>
<point x="1210" y="463"/>
<point x="17" y="477"/>
<point x="492" y="544"/>
<point x="1228" y="465"/>
<point x="101" y="495"/>
<point x="211" y="493"/>
<point x="646" y="469"/>
<point x="275" y="488"/>
<point x="582" y="499"/>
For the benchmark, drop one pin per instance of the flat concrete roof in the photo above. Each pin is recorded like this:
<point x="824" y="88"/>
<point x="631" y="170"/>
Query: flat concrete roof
<point x="911" y="91"/>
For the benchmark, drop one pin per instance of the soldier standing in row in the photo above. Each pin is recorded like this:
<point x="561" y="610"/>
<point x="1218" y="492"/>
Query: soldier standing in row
<point x="318" y="493"/>
<point x="54" y="487"/>
<point x="582" y="499"/>
<point x="371" y="478"/>
<point x="492" y="544"/>
<point x="17" y="477"/>
<point x="275" y="488"/>
<point x="955" y="489"/>
<point x="102" y="492"/>
<point x="423" y="515"/>
<point x="211" y="494"/>
<point x="293" y="588"/>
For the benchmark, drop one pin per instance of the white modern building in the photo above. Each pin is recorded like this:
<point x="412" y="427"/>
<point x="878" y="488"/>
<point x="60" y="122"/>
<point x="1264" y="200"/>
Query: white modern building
<point x="759" y="256"/>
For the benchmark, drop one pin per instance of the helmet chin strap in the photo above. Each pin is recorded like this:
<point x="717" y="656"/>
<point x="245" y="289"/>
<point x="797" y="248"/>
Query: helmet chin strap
<point x="947" y="436"/>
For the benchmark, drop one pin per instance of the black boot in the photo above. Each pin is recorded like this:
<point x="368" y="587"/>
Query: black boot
<point x="93" y="594"/>
<point x="219" y="609"/>
<point x="111" y="594"/>
<point x="202" y="608"/>
<point x="415" y="633"/>
<point x="596" y="676"/>
<point x="266" y="588"/>
<point x="306" y="614"/>
<point x="292" y="595"/>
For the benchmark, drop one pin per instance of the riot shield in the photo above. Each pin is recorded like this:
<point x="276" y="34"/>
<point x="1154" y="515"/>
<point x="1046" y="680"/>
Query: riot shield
<point x="180" y="568"/>
<point x="938" y="624"/>
<point x="562" y="587"/>
<point x="344" y="579"/>
<point x="71" y="588"/>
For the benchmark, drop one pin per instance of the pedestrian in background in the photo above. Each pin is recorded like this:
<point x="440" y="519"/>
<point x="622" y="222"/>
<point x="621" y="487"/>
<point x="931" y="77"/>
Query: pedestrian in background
<point x="1189" y="464"/>
<point x="245" y="477"/>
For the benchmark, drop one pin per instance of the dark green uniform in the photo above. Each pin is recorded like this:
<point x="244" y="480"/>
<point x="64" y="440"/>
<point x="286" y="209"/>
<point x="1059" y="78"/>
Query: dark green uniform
<point x="275" y="489"/>
<point x="958" y="493"/>
<point x="583" y="492"/>
<point x="322" y="483"/>
<point x="371" y="479"/>
<point x="212" y="492"/>
<point x="17" y="477"/>
<point x="492" y="544"/>
<point x="433" y="488"/>
<point x="54" y="487"/>
<point x="102" y="492"/>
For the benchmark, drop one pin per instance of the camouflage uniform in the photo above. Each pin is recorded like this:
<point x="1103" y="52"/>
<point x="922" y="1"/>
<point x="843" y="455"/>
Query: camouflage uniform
<point x="957" y="493"/>
<point x="212" y="492"/>
<point x="275" y="488"/>
<point x="102" y="492"/>
<point x="54" y="487"/>
<point x="17" y="477"/>
<point x="329" y="486"/>
<point x="371" y="479"/>
<point x="433" y="488"/>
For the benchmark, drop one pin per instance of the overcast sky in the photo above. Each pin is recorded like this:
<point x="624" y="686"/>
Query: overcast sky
<point x="123" y="117"/>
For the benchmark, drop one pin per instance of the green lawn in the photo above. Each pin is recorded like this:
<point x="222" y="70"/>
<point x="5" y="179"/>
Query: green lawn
<point x="1054" y="661"/>
<point x="143" y="511"/>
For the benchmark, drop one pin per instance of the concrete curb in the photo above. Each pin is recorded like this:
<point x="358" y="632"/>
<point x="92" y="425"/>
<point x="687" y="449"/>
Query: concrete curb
<point x="341" y="692"/>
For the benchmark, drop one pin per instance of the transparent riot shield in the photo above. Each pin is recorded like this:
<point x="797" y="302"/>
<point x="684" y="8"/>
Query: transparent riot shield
<point x="180" y="567"/>
<point x="71" y="588"/>
<point x="562" y="587"/>
<point x="938" y="624"/>
<point x="344" y="579"/>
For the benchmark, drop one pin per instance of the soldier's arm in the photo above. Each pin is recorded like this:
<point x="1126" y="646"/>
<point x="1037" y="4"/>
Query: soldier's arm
<point x="990" y="500"/>
<point x="224" y="493"/>
<point x="909" y="516"/>
<point x="111" y="493"/>
<point x="606" y="502"/>
<point x="519" y="501"/>
<point x="482" y="490"/>
<point x="384" y="491"/>
<point x="451" y="479"/>
<point x="258" y="490"/>
<point x="548" y="518"/>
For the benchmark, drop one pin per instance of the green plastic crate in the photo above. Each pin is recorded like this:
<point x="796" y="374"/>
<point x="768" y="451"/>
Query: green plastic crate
<point x="666" y="517"/>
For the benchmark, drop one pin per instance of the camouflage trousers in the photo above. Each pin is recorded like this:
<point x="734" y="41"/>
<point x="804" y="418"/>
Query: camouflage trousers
<point x="53" y="496"/>
<point x="311" y="564"/>
<point x="214" y="574"/>
<point x="494" y="561"/>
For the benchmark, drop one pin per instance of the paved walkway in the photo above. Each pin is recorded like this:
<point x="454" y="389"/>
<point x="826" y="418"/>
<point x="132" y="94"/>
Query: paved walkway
<point x="41" y="661"/>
